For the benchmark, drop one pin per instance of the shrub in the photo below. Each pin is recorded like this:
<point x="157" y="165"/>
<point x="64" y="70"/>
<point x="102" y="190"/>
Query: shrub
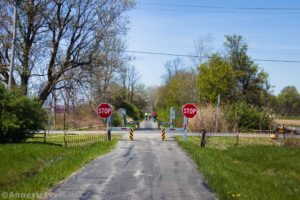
<point x="247" y="117"/>
<point x="116" y="120"/>
<point x="19" y="115"/>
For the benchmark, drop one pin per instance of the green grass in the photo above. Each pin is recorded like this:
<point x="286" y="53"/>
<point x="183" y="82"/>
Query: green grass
<point x="131" y="125"/>
<point x="247" y="171"/>
<point x="35" y="167"/>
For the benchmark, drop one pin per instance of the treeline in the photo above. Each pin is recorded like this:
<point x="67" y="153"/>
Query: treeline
<point x="70" y="53"/>
<point x="243" y="87"/>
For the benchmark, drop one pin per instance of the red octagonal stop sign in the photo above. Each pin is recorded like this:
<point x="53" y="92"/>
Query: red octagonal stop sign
<point x="189" y="110"/>
<point x="104" y="110"/>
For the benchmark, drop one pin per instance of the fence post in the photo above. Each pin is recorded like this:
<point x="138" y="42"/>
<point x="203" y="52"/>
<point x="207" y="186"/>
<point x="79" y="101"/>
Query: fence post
<point x="45" y="136"/>
<point x="65" y="141"/>
<point x="283" y="135"/>
<point x="109" y="134"/>
<point x="203" y="138"/>
<point x="237" y="137"/>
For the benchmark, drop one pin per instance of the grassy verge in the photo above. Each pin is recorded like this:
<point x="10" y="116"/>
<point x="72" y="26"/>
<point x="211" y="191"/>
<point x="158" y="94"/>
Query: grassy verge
<point x="35" y="167"/>
<point x="248" y="171"/>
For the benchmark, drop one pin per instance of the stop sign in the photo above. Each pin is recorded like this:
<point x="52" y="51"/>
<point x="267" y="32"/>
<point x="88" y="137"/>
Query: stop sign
<point x="104" y="110"/>
<point x="189" y="110"/>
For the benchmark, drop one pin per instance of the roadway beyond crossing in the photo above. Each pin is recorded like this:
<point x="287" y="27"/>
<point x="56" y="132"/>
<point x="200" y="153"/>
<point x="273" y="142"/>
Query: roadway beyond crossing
<point x="148" y="124"/>
<point x="146" y="168"/>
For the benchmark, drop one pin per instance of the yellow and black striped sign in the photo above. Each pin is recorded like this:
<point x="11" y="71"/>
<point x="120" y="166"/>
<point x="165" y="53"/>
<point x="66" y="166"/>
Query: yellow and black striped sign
<point x="131" y="134"/>
<point x="163" y="134"/>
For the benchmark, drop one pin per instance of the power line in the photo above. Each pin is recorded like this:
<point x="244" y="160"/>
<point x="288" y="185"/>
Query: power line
<point x="223" y="7"/>
<point x="216" y="11"/>
<point x="194" y="56"/>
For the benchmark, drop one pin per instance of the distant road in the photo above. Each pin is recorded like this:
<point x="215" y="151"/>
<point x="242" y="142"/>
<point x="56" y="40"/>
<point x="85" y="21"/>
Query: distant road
<point x="148" y="124"/>
<point x="146" y="168"/>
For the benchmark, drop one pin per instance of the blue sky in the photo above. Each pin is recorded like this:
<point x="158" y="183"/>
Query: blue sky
<point x="172" y="26"/>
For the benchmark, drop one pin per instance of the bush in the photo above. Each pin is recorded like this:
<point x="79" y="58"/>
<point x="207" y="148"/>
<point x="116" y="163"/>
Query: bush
<point x="19" y="115"/>
<point x="116" y="120"/>
<point x="247" y="117"/>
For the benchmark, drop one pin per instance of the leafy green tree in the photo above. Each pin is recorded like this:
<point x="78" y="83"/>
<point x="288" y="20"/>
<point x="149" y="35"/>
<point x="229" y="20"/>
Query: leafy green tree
<point x="289" y="101"/>
<point x="116" y="120"/>
<point x="216" y="77"/>
<point x="251" y="81"/>
<point x="177" y="91"/>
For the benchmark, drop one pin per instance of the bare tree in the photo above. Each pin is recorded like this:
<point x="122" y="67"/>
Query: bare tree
<point x="5" y="40"/>
<point x="153" y="97"/>
<point x="59" y="36"/>
<point x="173" y="67"/>
<point x="106" y="66"/>
<point x="133" y="82"/>
<point x="32" y="16"/>
<point x="202" y="49"/>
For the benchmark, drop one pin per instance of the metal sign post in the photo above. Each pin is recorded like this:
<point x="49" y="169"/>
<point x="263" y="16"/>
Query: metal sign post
<point x="217" y="113"/>
<point x="185" y="123"/>
<point x="189" y="110"/>
<point x="108" y="128"/>
<point x="104" y="111"/>
<point x="172" y="117"/>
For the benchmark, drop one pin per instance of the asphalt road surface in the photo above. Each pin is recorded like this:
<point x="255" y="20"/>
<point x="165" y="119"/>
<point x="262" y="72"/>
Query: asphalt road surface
<point x="146" y="168"/>
<point x="149" y="124"/>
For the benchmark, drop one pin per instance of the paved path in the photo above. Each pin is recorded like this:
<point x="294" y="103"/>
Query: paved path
<point x="146" y="168"/>
<point x="148" y="124"/>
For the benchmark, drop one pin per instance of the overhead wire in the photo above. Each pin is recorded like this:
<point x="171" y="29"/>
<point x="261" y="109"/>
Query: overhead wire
<point x="223" y="7"/>
<point x="195" y="56"/>
<point x="165" y="7"/>
<point x="210" y="9"/>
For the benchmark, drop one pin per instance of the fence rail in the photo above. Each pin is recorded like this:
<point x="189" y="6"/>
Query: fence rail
<point x="68" y="139"/>
<point x="71" y="139"/>
<point x="279" y="137"/>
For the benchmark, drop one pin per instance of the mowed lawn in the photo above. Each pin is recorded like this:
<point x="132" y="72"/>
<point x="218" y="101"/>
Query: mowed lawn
<point x="247" y="171"/>
<point x="35" y="167"/>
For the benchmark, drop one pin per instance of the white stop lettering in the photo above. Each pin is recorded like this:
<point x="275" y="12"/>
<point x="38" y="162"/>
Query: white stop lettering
<point x="189" y="110"/>
<point x="104" y="110"/>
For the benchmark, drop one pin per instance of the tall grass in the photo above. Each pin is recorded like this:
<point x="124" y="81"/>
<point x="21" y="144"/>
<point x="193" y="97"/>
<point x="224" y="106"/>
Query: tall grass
<point x="208" y="118"/>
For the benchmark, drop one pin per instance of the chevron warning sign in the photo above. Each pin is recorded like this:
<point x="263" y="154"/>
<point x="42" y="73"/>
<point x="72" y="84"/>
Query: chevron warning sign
<point x="163" y="134"/>
<point x="131" y="134"/>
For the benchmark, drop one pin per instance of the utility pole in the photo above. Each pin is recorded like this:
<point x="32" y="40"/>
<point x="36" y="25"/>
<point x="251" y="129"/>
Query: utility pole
<point x="12" y="57"/>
